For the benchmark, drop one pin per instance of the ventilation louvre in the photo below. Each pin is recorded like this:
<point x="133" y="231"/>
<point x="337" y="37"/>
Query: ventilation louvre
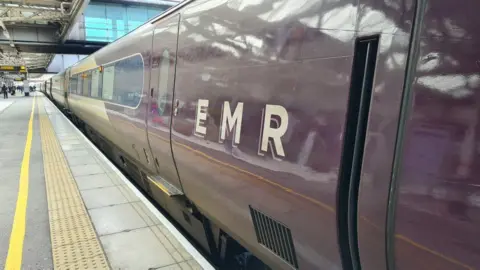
<point x="274" y="236"/>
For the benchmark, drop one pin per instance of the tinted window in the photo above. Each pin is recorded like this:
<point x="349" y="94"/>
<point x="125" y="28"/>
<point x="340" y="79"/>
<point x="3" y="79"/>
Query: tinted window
<point x="96" y="83"/>
<point x="128" y="81"/>
<point x="120" y="82"/>
<point x="56" y="85"/>
<point x="107" y="22"/>
<point x="73" y="84"/>
<point x="107" y="84"/>
<point x="87" y="83"/>
<point x="79" y="84"/>
<point x="162" y="98"/>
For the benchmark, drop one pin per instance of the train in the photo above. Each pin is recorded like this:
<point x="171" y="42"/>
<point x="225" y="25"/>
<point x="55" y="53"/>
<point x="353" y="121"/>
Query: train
<point x="298" y="134"/>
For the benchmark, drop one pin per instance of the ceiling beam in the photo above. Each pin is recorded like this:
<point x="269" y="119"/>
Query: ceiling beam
<point x="42" y="3"/>
<point x="48" y="16"/>
<point x="31" y="34"/>
<point x="66" y="48"/>
<point x="26" y="8"/>
<point x="6" y="33"/>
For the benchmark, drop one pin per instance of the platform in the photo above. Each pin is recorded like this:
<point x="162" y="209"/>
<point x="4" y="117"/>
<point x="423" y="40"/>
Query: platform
<point x="66" y="206"/>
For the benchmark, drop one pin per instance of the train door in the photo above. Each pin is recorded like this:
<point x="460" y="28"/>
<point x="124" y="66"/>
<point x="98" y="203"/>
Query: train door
<point x="65" y="87"/>
<point x="49" y="90"/>
<point x="434" y="211"/>
<point x="354" y="137"/>
<point x="382" y="54"/>
<point x="160" y="106"/>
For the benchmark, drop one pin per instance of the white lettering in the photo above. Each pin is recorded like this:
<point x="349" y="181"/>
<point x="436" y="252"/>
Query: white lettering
<point x="230" y="122"/>
<point x="201" y="115"/>
<point x="274" y="133"/>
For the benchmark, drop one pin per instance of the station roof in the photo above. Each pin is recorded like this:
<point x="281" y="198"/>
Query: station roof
<point x="33" y="31"/>
<point x="26" y="24"/>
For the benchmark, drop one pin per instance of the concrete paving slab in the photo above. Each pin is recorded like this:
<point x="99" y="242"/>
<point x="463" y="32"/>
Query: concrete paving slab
<point x="115" y="179"/>
<point x="68" y="147"/>
<point x="93" y="181"/>
<point x="101" y="197"/>
<point x="170" y="244"/>
<point x="67" y="137"/>
<point x="170" y="267"/>
<point x="194" y="264"/>
<point x="100" y="162"/>
<point x="76" y="153"/>
<point x="146" y="215"/>
<point x="65" y="134"/>
<point x="88" y="169"/>
<point x="80" y="160"/>
<point x="115" y="219"/>
<point x="4" y="104"/>
<point x="187" y="266"/>
<point x="69" y="141"/>
<point x="168" y="235"/>
<point x="128" y="193"/>
<point x="137" y="249"/>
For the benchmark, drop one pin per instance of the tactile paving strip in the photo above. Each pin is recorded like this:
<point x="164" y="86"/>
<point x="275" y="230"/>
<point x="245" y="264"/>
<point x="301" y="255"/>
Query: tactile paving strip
<point x="74" y="242"/>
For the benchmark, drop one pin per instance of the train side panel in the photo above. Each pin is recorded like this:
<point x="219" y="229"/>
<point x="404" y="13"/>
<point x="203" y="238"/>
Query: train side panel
<point x="438" y="188"/>
<point x="58" y="89"/>
<point x="160" y="110"/>
<point x="395" y="36"/>
<point x="119" y="107"/>
<point x="254" y="110"/>
<point x="118" y="111"/>
<point x="269" y="57"/>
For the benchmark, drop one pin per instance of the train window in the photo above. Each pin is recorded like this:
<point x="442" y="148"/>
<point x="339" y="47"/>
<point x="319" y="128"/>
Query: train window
<point x="128" y="81"/>
<point x="100" y="82"/>
<point x="107" y="84"/>
<point x="96" y="83"/>
<point x="79" y="84"/>
<point x="162" y="98"/>
<point x="61" y="84"/>
<point x="86" y="83"/>
<point x="73" y="84"/>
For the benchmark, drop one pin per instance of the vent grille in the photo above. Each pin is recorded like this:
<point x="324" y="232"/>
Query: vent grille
<point x="274" y="236"/>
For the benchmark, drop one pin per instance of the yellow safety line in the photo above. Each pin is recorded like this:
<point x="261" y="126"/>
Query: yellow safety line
<point x="15" y="249"/>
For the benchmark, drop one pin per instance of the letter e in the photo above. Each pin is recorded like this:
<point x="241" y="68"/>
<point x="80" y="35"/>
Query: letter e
<point x="202" y="107"/>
